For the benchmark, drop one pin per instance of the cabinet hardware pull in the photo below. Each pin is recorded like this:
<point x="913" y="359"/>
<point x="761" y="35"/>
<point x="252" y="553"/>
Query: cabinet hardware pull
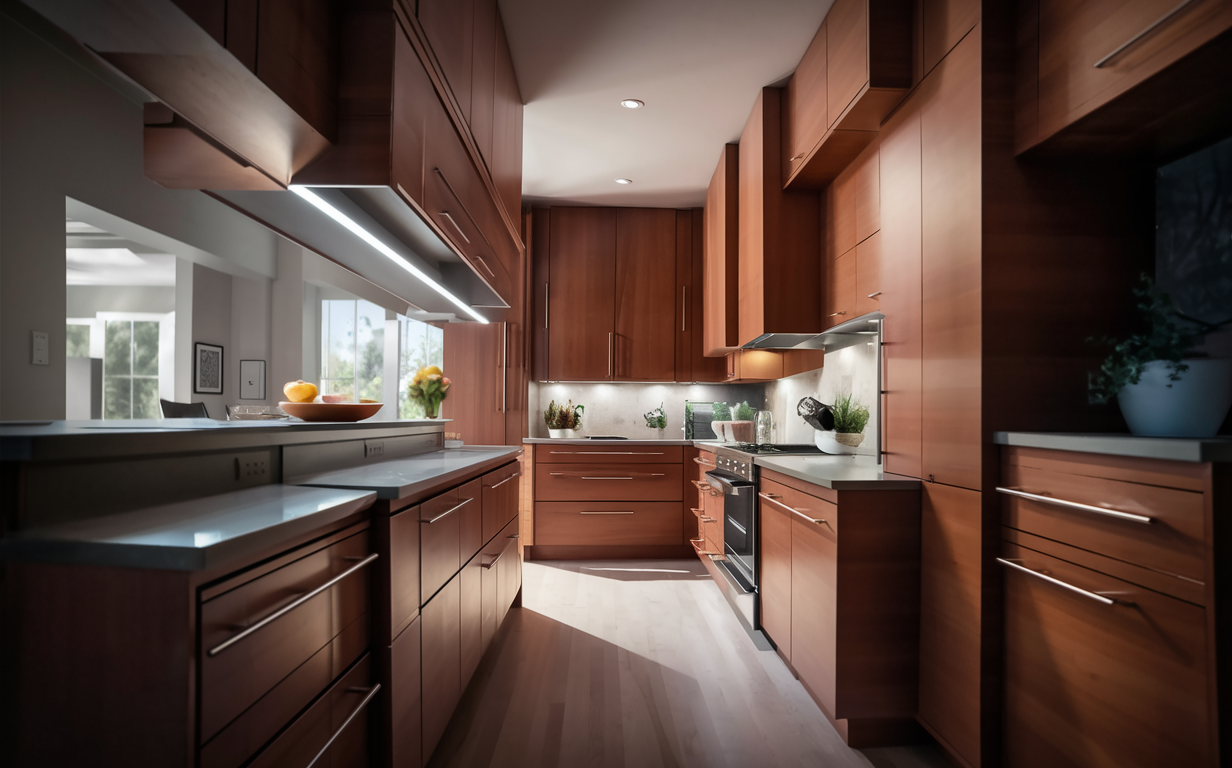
<point x="485" y="265"/>
<point x="461" y="234"/>
<point x="684" y="303"/>
<point x="284" y="610"/>
<point x="708" y="519"/>
<point x="514" y="536"/>
<point x="702" y="486"/>
<point x="609" y="355"/>
<point x="696" y="511"/>
<point x="369" y="694"/>
<point x="546" y="305"/>
<point x="499" y="555"/>
<point x="448" y="512"/>
<point x="697" y="548"/>
<point x="874" y="294"/>
<point x="1064" y="585"/>
<point x="584" y="477"/>
<point x="606" y="453"/>
<point x="798" y="157"/>
<point x="703" y="463"/>
<point x="774" y="499"/>
<point x="504" y="367"/>
<point x="836" y="314"/>
<point x="606" y="512"/>
<point x="1099" y="64"/>
<point x="1075" y="505"/>
<point x="507" y="479"/>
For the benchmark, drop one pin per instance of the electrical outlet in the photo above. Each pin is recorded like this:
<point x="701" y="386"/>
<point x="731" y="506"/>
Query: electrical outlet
<point x="251" y="465"/>
<point x="374" y="448"/>
<point x="39" y="354"/>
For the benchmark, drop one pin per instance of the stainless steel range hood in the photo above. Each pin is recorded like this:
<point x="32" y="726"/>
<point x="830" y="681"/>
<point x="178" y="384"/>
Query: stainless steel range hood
<point x="862" y="329"/>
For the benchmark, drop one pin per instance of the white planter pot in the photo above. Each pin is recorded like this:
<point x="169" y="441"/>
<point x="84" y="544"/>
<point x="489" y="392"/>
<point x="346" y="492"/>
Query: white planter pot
<point x="1195" y="406"/>
<point x="565" y="434"/>
<point x="828" y="443"/>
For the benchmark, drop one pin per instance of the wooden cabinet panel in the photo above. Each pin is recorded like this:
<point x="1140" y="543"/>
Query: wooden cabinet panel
<point x="506" y="162"/>
<point x="483" y="77"/>
<point x="841" y="289"/>
<point x="406" y="698"/>
<point x="814" y="608"/>
<point x="474" y="359"/>
<point x="440" y="536"/>
<point x="449" y="26"/>
<point x="721" y="252"/>
<point x="901" y="212"/>
<point x="775" y="585"/>
<point x="688" y="336"/>
<point x="645" y="318"/>
<point x="608" y="523"/>
<point x="754" y="365"/>
<point x="470" y="520"/>
<point x="470" y="587"/>
<point x="412" y="90"/>
<point x="1074" y="37"/>
<point x="944" y="23"/>
<point x="950" y="130"/>
<point x="500" y="498"/>
<point x="951" y="617"/>
<point x="702" y="367"/>
<point x="581" y="302"/>
<point x="868" y="275"/>
<point x="404" y="594"/>
<point x="297" y="57"/>
<point x="1088" y="684"/>
<point x="585" y="454"/>
<point x="508" y="572"/>
<point x="805" y="105"/>
<point x="602" y="482"/>
<point x="867" y="180"/>
<point x="846" y="55"/>
<point x="440" y="624"/>
<point x="839" y="200"/>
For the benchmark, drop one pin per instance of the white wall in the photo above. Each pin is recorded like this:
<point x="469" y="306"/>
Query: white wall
<point x="250" y="338"/>
<point x="87" y="300"/>
<point x="211" y="324"/>
<point x="848" y="370"/>
<point x="68" y="134"/>
<point x="617" y="409"/>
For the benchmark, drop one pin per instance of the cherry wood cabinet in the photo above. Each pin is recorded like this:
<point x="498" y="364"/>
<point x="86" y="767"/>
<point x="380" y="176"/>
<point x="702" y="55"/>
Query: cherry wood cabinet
<point x="858" y="68"/>
<point x="449" y="27"/>
<point x="692" y="364"/>
<point x="868" y="275"/>
<point x="754" y="365"/>
<point x="582" y="297"/>
<point x="721" y="256"/>
<point x="647" y="316"/>
<point x="779" y="234"/>
<point x="506" y="159"/>
<point x="944" y="23"/>
<point x="403" y="717"/>
<point x="441" y="673"/>
<point x="483" y="77"/>
<point x="474" y="357"/>
<point x="840" y="283"/>
<point x="775" y="584"/>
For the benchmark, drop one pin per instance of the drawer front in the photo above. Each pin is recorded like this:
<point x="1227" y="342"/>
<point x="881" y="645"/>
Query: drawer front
<point x="595" y="454"/>
<point x="451" y="198"/>
<point x="603" y="482"/>
<point x="340" y="714"/>
<point x="500" y="498"/>
<point x="802" y="507"/>
<point x="440" y="541"/>
<point x="608" y="523"/>
<point x="403" y="570"/>
<point x="471" y="520"/>
<point x="1171" y="544"/>
<point x="235" y="677"/>
<point x="1088" y="684"/>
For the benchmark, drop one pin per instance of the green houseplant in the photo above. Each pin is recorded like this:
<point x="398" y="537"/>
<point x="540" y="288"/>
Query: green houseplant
<point x="563" y="420"/>
<point x="656" y="418"/>
<point x="850" y="419"/>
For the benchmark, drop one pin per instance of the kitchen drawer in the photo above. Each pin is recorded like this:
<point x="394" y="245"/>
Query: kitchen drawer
<point x="338" y="721"/>
<point x="500" y="498"/>
<point x="237" y="669"/>
<point x="803" y="507"/>
<point x="470" y="535"/>
<point x="239" y="741"/>
<point x="603" y="482"/>
<point x="1089" y="684"/>
<point x="1172" y="543"/>
<point x="608" y="523"/>
<point x="403" y="568"/>
<point x="440" y="540"/>
<point x="608" y="454"/>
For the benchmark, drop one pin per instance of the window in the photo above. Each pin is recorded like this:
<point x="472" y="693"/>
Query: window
<point x="77" y="340"/>
<point x="130" y="369"/>
<point x="419" y="345"/>
<point x="352" y="348"/>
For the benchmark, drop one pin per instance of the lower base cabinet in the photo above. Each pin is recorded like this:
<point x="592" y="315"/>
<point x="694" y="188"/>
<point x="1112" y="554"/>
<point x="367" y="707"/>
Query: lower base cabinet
<point x="441" y="654"/>
<point x="405" y="702"/>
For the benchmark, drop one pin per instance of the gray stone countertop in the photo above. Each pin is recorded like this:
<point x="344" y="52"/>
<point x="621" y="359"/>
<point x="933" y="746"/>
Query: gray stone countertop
<point x="191" y="535"/>
<point x="1210" y="449"/>
<point x="400" y="478"/>
<point x="70" y="440"/>
<point x="841" y="473"/>
<point x="600" y="441"/>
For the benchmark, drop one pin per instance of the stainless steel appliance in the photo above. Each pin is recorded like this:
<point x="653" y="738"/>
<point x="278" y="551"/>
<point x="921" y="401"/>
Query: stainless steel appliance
<point x="735" y="477"/>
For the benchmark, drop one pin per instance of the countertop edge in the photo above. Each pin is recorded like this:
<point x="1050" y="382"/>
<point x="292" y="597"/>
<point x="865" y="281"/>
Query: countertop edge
<point x="883" y="483"/>
<point x="1194" y="450"/>
<point x="388" y="493"/>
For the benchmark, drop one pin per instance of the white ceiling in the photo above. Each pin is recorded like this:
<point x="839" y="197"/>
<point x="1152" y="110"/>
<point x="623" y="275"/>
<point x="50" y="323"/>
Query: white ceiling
<point x="698" y="65"/>
<point x="93" y="256"/>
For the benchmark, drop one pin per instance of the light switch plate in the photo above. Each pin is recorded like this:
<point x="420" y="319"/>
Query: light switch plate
<point x="40" y="354"/>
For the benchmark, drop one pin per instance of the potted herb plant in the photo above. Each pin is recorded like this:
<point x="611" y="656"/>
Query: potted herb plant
<point x="656" y="419"/>
<point x="742" y="422"/>
<point x="850" y="419"/>
<point x="563" y="421"/>
<point x="720" y="421"/>
<point x="1164" y="388"/>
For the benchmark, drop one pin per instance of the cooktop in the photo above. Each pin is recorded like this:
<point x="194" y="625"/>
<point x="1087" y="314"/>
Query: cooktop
<point x="774" y="448"/>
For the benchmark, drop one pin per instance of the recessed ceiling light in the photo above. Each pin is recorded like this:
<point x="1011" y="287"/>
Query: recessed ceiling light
<point x="632" y="104"/>
<point x="624" y="181"/>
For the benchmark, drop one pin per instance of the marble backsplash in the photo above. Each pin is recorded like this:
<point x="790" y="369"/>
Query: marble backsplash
<point x="853" y="369"/>
<point x="617" y="409"/>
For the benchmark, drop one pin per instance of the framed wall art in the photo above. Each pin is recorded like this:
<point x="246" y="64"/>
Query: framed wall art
<point x="207" y="369"/>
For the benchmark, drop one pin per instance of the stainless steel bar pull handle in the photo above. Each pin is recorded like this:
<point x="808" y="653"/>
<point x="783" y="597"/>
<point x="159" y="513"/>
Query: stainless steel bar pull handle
<point x="546" y="305"/>
<point x="1064" y="585"/>
<point x="874" y="294"/>
<point x="500" y="554"/>
<point x="684" y="303"/>
<point x="584" y="477"/>
<point x="1116" y="513"/>
<point x="484" y="264"/>
<point x="606" y="512"/>
<point x="448" y="512"/>
<point x="703" y="463"/>
<point x="504" y="367"/>
<point x="507" y="479"/>
<point x="461" y="234"/>
<point x="609" y="355"/>
<point x="774" y="499"/>
<point x="836" y="314"/>
<point x="284" y="610"/>
<point x="369" y="693"/>
<point x="1158" y="22"/>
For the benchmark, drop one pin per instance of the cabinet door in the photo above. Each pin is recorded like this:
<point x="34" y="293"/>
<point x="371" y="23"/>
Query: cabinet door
<point x="1088" y="684"/>
<point x="841" y="289"/>
<point x="442" y="668"/>
<point x="506" y="127"/>
<point x="846" y="54"/>
<point x="720" y="257"/>
<point x="440" y="535"/>
<point x="646" y="320"/>
<point x="582" y="259"/>
<point x="473" y="357"/>
<point x="483" y="74"/>
<point x="950" y="143"/>
<point x="702" y="368"/>
<point x="412" y="91"/>
<point x="867" y="192"/>
<point x="471" y="647"/>
<point x="951" y="623"/>
<point x="404" y="594"/>
<point x="945" y="22"/>
<point x="509" y="572"/>
<point x="814" y="607"/>
<point x="470" y="522"/>
<point x="805" y="105"/>
<point x="405" y="697"/>
<point x="449" y="25"/>
<point x="775" y="585"/>
<point x="868" y="275"/>
<point x="500" y="498"/>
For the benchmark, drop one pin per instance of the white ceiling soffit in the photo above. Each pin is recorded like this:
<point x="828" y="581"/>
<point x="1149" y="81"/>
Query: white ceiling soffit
<point x="697" y="64"/>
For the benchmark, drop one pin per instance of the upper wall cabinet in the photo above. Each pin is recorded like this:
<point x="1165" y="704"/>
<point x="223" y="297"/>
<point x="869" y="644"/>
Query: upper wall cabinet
<point x="449" y="26"/>
<point x="1111" y="77"/>
<point x="857" y="69"/>
<point x="779" y="235"/>
<point x="721" y="252"/>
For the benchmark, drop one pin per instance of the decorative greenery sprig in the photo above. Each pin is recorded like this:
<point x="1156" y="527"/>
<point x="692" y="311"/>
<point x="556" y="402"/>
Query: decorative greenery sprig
<point x="849" y="416"/>
<point x="1163" y="338"/>
<point x="656" y="418"/>
<point x="744" y="412"/>
<point x="720" y="412"/>
<point x="567" y="416"/>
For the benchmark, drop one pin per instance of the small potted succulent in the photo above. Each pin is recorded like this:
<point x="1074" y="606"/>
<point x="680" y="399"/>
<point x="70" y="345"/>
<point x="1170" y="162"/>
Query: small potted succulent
<point x="429" y="388"/>
<point x="563" y="421"/>
<point x="656" y="419"/>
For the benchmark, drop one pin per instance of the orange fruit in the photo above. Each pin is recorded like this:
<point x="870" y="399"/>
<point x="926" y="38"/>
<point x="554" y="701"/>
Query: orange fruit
<point x="300" y="391"/>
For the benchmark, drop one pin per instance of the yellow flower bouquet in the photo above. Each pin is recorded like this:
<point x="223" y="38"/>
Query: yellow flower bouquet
<point x="429" y="388"/>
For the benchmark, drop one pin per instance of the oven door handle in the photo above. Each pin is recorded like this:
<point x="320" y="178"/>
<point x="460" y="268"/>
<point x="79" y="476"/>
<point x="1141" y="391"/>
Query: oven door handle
<point x="729" y="487"/>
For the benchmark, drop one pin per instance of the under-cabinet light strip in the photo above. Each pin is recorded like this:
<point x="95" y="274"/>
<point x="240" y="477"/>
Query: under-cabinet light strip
<point x="363" y="234"/>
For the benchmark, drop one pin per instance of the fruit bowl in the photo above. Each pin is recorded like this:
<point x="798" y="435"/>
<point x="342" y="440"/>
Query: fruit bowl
<point x="332" y="411"/>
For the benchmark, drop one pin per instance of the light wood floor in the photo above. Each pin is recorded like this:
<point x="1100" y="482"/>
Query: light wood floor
<point x="640" y="664"/>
